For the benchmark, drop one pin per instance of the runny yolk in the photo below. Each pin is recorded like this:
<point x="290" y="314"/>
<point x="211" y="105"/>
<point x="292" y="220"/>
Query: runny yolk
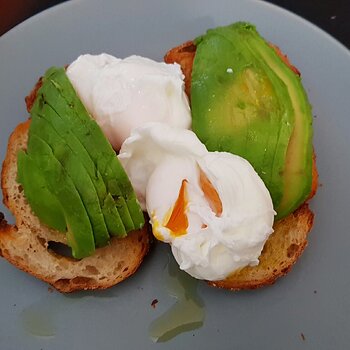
<point x="210" y="193"/>
<point x="178" y="221"/>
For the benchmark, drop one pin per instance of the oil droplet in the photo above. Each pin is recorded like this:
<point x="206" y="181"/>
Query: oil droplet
<point x="186" y="314"/>
<point x="38" y="319"/>
<point x="41" y="318"/>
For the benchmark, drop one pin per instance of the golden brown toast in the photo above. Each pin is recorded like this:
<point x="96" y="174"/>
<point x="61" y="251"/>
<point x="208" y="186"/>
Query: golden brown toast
<point x="289" y="239"/>
<point x="280" y="253"/>
<point x="27" y="244"/>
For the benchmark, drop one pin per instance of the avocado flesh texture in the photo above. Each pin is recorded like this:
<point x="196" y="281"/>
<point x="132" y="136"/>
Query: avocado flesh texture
<point x="35" y="188"/>
<point x="298" y="166"/>
<point x="58" y="128"/>
<point x="42" y="160"/>
<point x="67" y="105"/>
<point x="89" y="135"/>
<point x="245" y="101"/>
<point x="77" y="173"/>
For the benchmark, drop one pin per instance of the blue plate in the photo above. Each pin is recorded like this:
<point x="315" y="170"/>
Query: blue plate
<point x="309" y="308"/>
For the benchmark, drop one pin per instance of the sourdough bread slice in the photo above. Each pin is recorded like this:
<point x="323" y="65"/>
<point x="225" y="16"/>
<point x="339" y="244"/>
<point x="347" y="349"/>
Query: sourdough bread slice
<point x="280" y="253"/>
<point x="289" y="239"/>
<point x="27" y="243"/>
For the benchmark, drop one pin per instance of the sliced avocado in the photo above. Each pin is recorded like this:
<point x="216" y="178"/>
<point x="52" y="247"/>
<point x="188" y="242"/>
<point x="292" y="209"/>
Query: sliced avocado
<point x="298" y="166"/>
<point x="76" y="172"/>
<point x="245" y="100"/>
<point x="49" y="211"/>
<point x="115" y="228"/>
<point x="80" y="236"/>
<point x="61" y="129"/>
<point x="86" y="129"/>
<point x="90" y="136"/>
<point x="79" y="172"/>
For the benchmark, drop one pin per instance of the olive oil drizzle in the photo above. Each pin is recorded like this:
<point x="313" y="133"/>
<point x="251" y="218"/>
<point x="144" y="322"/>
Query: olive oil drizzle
<point x="188" y="311"/>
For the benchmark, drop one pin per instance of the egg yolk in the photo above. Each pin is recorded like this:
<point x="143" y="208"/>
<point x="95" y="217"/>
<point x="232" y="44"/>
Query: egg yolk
<point x="155" y="228"/>
<point x="210" y="193"/>
<point x="178" y="221"/>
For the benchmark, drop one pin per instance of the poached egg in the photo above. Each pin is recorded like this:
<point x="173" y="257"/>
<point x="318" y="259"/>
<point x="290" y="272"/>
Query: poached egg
<point x="122" y="94"/>
<point x="211" y="207"/>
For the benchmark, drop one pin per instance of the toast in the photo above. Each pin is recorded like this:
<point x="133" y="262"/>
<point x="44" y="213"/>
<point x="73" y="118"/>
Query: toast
<point x="28" y="244"/>
<point x="289" y="239"/>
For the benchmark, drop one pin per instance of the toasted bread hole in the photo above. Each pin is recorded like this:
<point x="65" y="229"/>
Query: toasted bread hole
<point x="189" y="48"/>
<point x="119" y="267"/>
<point x="42" y="241"/>
<point x="61" y="283"/>
<point x="91" y="269"/>
<point x="20" y="189"/>
<point x="292" y="249"/>
<point x="60" y="249"/>
<point x="125" y="269"/>
<point x="82" y="280"/>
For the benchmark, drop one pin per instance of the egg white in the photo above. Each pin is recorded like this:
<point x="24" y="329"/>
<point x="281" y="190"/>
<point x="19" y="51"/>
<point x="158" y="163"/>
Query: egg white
<point x="122" y="94"/>
<point x="158" y="159"/>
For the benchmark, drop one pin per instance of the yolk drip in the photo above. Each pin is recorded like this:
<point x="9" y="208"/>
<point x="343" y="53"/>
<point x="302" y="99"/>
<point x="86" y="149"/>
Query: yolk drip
<point x="210" y="193"/>
<point x="178" y="221"/>
<point x="155" y="228"/>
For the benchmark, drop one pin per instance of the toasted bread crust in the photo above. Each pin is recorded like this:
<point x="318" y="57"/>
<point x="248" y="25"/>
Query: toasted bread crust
<point x="26" y="244"/>
<point x="184" y="56"/>
<point x="286" y="244"/>
<point x="280" y="253"/>
<point x="19" y="130"/>
<point x="30" y="99"/>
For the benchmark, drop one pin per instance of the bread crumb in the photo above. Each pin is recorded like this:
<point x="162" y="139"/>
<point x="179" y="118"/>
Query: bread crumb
<point x="154" y="303"/>
<point x="302" y="336"/>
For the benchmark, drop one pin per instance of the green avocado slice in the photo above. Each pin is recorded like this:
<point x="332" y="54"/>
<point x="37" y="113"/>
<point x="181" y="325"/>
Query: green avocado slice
<point x="76" y="172"/>
<point x="79" y="235"/>
<point x="115" y="227"/>
<point x="245" y="100"/>
<point x="297" y="172"/>
<point x="85" y="133"/>
<point x="61" y="129"/>
<point x="35" y="188"/>
<point x="69" y="106"/>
